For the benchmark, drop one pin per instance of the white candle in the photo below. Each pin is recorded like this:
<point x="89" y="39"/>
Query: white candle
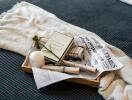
<point x="36" y="59"/>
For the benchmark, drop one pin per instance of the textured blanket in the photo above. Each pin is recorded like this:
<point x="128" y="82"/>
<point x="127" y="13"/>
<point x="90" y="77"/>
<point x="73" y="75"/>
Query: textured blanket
<point x="24" y="20"/>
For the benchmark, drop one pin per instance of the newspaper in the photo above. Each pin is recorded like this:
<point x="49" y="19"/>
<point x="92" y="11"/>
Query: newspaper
<point x="96" y="55"/>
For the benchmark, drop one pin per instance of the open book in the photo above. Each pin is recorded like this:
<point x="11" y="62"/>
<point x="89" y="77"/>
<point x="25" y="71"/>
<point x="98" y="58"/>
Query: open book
<point x="56" y="47"/>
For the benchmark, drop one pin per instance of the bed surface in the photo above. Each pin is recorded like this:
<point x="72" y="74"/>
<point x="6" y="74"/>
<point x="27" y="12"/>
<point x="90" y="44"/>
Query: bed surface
<point x="110" y="19"/>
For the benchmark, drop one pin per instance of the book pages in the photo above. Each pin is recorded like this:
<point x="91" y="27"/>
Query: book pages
<point x="57" y="44"/>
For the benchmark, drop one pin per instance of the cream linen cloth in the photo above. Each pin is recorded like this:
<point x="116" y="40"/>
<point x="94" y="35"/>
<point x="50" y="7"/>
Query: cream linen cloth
<point x="24" y="20"/>
<point x="127" y="1"/>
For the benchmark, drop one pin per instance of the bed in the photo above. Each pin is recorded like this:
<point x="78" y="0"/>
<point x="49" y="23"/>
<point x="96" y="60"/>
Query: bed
<point x="111" y="20"/>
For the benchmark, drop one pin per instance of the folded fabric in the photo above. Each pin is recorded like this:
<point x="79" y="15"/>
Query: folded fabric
<point x="24" y="20"/>
<point x="127" y="1"/>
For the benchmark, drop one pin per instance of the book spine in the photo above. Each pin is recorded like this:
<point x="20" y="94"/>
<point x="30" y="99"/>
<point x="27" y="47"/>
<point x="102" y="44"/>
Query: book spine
<point x="76" y="52"/>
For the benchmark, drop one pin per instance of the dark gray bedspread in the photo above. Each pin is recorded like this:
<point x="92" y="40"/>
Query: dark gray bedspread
<point x="110" y="19"/>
